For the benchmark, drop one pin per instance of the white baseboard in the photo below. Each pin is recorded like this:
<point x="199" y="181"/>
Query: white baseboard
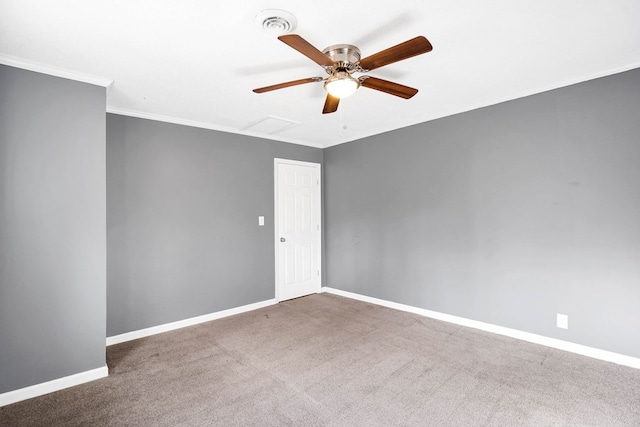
<point x="141" y="333"/>
<point x="53" y="385"/>
<point x="583" y="350"/>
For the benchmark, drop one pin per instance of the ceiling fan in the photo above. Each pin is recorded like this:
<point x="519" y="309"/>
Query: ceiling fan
<point x="342" y="60"/>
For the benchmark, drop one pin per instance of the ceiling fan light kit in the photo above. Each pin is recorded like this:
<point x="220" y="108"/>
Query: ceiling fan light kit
<point x="342" y="60"/>
<point x="340" y="84"/>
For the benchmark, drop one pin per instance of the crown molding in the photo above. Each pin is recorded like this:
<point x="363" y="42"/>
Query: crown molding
<point x="205" y="125"/>
<point x="531" y="92"/>
<point x="54" y="71"/>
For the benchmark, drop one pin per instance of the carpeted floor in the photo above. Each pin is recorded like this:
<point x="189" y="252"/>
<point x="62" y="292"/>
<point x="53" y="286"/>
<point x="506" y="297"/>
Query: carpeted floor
<point x="325" y="360"/>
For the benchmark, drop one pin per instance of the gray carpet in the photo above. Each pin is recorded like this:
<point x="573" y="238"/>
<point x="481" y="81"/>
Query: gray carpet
<point x="324" y="360"/>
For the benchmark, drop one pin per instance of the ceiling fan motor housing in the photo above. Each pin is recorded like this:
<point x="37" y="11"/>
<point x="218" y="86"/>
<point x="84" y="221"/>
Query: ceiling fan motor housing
<point x="345" y="56"/>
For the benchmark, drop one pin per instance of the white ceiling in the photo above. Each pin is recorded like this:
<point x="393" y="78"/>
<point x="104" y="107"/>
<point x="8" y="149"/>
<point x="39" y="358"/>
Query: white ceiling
<point x="196" y="61"/>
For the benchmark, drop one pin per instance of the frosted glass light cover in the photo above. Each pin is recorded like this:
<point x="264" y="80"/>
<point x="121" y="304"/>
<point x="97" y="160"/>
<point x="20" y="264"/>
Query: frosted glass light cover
<point x="342" y="86"/>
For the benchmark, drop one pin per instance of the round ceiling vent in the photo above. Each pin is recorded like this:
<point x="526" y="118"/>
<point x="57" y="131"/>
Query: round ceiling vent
<point x="275" y="21"/>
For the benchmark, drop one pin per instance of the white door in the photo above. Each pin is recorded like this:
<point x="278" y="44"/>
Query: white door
<point x="297" y="228"/>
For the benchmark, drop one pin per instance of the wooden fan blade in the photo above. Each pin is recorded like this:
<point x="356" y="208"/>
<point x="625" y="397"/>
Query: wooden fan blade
<point x="330" y="104"/>
<point x="307" y="49"/>
<point x="288" y="84"/>
<point x="385" y="86"/>
<point x="413" y="47"/>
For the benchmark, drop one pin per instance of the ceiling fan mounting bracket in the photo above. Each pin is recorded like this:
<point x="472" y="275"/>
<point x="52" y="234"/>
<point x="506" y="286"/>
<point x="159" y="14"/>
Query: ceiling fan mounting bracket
<point x="342" y="66"/>
<point x="359" y="69"/>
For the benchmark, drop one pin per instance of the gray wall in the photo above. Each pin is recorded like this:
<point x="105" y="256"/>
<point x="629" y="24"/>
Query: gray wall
<point x="183" y="235"/>
<point x="507" y="214"/>
<point x="52" y="228"/>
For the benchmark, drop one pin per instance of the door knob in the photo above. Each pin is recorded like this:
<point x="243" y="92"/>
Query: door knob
<point x="282" y="239"/>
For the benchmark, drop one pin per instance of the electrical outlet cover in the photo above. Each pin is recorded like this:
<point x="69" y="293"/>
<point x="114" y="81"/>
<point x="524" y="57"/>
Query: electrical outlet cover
<point x="562" y="321"/>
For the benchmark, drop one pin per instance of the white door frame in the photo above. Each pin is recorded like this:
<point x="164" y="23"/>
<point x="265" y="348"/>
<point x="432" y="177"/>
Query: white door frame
<point x="276" y="236"/>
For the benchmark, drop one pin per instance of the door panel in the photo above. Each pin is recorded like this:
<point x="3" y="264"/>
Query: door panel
<point x="297" y="229"/>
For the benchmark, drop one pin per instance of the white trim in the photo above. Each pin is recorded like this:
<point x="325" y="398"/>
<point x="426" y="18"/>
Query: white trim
<point x="523" y="94"/>
<point x="53" y="385"/>
<point x="141" y="333"/>
<point x="583" y="350"/>
<point x="204" y="125"/>
<point x="276" y="231"/>
<point x="277" y="160"/>
<point x="55" y="71"/>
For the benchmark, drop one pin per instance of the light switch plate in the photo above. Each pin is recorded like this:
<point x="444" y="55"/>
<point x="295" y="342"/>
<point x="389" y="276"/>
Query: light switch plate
<point x="260" y="221"/>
